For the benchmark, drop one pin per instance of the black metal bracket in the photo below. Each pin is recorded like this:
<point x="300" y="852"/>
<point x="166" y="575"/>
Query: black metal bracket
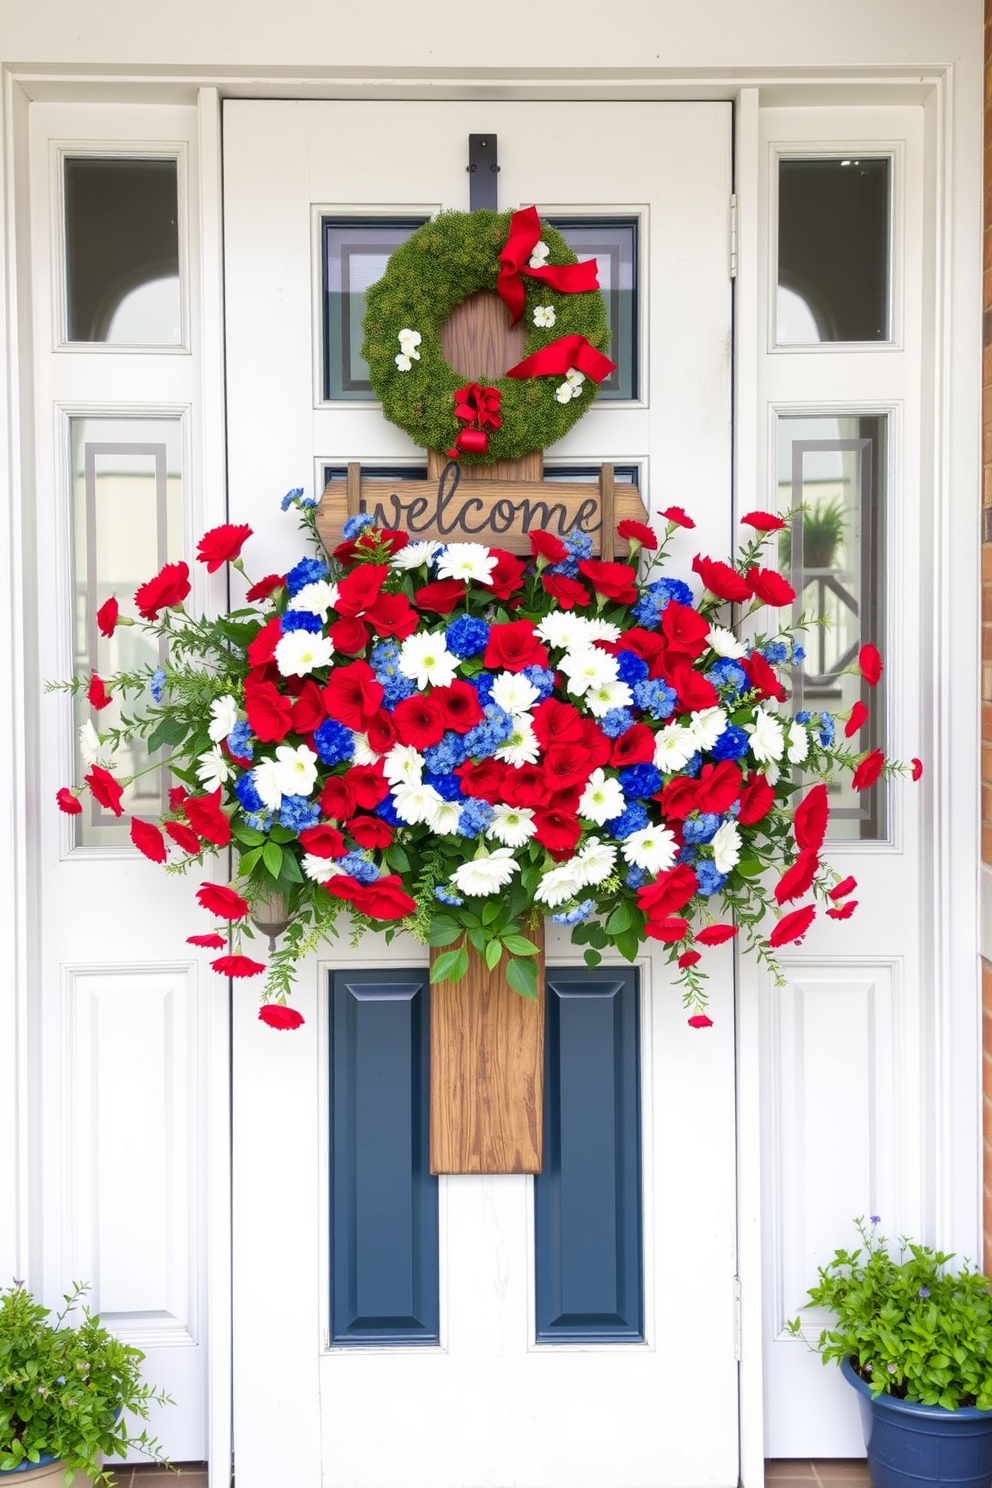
<point x="483" y="168"/>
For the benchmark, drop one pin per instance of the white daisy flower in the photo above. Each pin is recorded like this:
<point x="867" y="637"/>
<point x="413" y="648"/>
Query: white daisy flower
<point x="544" y="315"/>
<point x="296" y="770"/>
<point x="599" y="700"/>
<point x="514" y="693"/>
<point x="89" y="743"/>
<point x="798" y="743"/>
<point x="771" y="773"/>
<point x="521" y="748"/>
<point x="403" y="765"/>
<point x="212" y="769"/>
<point x="563" y="393"/>
<point x="706" y="726"/>
<point x="602" y="798"/>
<point x="415" y="554"/>
<point x="674" y="747"/>
<point x="467" y="561"/>
<point x="564" y="629"/>
<point x="316" y="598"/>
<point x="446" y="817"/>
<point x="767" y="737"/>
<point x="299" y="652"/>
<point x="486" y="874"/>
<point x="587" y="668"/>
<point x="511" y="825"/>
<point x="558" y="885"/>
<point x="266" y="779"/>
<point x="726" y="846"/>
<point x="602" y="630"/>
<point x="652" y="848"/>
<point x="364" y="754"/>
<point x="725" y="643"/>
<point x="595" y="862"/>
<point x="427" y="660"/>
<point x="417" y="803"/>
<point x="320" y="869"/>
<point x="223" y="717"/>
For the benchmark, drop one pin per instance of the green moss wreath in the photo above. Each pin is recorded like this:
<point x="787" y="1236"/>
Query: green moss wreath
<point x="444" y="262"/>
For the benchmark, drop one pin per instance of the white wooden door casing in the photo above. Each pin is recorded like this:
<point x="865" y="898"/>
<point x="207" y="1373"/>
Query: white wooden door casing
<point x="488" y="1407"/>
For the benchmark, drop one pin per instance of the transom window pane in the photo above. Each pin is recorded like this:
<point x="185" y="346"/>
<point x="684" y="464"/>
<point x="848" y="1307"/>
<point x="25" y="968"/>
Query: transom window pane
<point x="122" y="251"/>
<point x="833" y="250"/>
<point x="612" y="242"/>
<point x="127" y="523"/>
<point x="831" y="485"/>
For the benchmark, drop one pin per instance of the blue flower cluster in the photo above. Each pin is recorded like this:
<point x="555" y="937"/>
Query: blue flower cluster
<point x="385" y="662"/>
<point x="616" y="722"/>
<point x="354" y="525"/>
<point x="475" y="817"/>
<point x="700" y="828"/>
<point x="447" y="897"/>
<point x="634" y="819"/>
<point x="709" y="880"/>
<point x="729" y="678"/>
<point x="732" y="744"/>
<point x="649" y="608"/>
<point x="448" y="786"/>
<point x="300" y="620"/>
<point x="638" y="782"/>
<point x="307" y="571"/>
<point x="467" y="636"/>
<point x="631" y="668"/>
<point x="655" y="697"/>
<point x="239" y="740"/>
<point x="575" y="916"/>
<point x="298" y="812"/>
<point x="484" y="740"/>
<point x="157" y="684"/>
<point x="333" y="742"/>
<point x="579" y="547"/>
<point x="446" y="756"/>
<point x="540" y="678"/>
<point x="827" y="725"/>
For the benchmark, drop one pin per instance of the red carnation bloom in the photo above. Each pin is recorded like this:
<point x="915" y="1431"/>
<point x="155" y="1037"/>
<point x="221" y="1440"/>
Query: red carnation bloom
<point x="796" y="880"/>
<point x="265" y="587"/>
<point x="614" y="580"/>
<point x="169" y="587"/>
<point x="177" y="797"/>
<point x="809" y="826"/>
<point x="684" y="629"/>
<point x="276" y="1015"/>
<point x="237" y="966"/>
<point x="323" y="841"/>
<point x="843" y="911"/>
<point x="720" y="579"/>
<point x="669" y="892"/>
<point x="484" y="780"/>
<point x="699" y="1020"/>
<point x="763" y="521"/>
<point x="546" y="545"/>
<point x="868" y="771"/>
<point x="858" y="715"/>
<point x="514" y="646"/>
<point x="263" y="648"/>
<point x="385" y="899"/>
<point x="270" y="715"/>
<point x="633" y="747"/>
<point x="770" y="587"/>
<point x="508" y="575"/>
<point x="670" y="930"/>
<point x="369" y="785"/>
<point x="598" y="745"/>
<point x="337" y="799"/>
<point x="204" y="814"/>
<point x="308" y="710"/>
<point x="69" y="803"/>
<point x="148" y="840"/>
<point x="419" y="721"/>
<point x="763" y="679"/>
<point x="845" y="887"/>
<point x="459" y="705"/>
<point x="917" y="768"/>
<point x="183" y="837"/>
<point x="353" y="695"/>
<point x="380" y="733"/>
<point x="441" y="597"/>
<point x="558" y="831"/>
<point x="359" y="590"/>
<point x="689" y="958"/>
<point x="370" y="831"/>
<point x="211" y="942"/>
<point x="221" y="545"/>
<point x="677" y="515"/>
<point x="638" y="532"/>
<point x="692" y="689"/>
<point x="757" y="799"/>
<point x="97" y="694"/>
<point x="568" y="592"/>
<point x="566" y="765"/>
<point x="792" y="926"/>
<point x="525" y="785"/>
<point x="349" y="635"/>
<point x="219" y="900"/>
<point x="370" y="538"/>
<point x="678" y="798"/>
<point x="715" y="934"/>
<point x="718" y="787"/>
<point x="870" y="664"/>
<point x="392" y="615"/>
<point x="105" y="789"/>
<point x="557" y="723"/>
<point x="106" y="616"/>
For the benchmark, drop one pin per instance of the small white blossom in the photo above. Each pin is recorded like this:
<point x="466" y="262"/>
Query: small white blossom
<point x="651" y="848"/>
<point x="409" y="341"/>
<point x="595" y="862"/>
<point x="602" y="630"/>
<point x="798" y="743"/>
<point x="544" y="315"/>
<point x="511" y="825"/>
<point x="563" y="628"/>
<point x="674" y="747"/>
<point x="212" y="769"/>
<point x="320" y="869"/>
<point x="521" y="748"/>
<point x="403" y="362"/>
<point x="602" y="799"/>
<point x="415" y="554"/>
<point x="514" y="693"/>
<point x="403" y="765"/>
<point x="364" y="754"/>
<point x="726" y="846"/>
<point x="538" y="254"/>
<point x="89" y="743"/>
<point x="316" y="598"/>
<point x="587" y="668"/>
<point x="300" y="652"/>
<point x="606" y="696"/>
<point x="485" y="874"/>
<point x="416" y="803"/>
<point x="446" y="818"/>
<point x="293" y="772"/>
<point x="427" y="660"/>
<point x="223" y="717"/>
<point x="725" y="643"/>
<point x="558" y="885"/>
<point x="706" y="726"/>
<point x="767" y="737"/>
<point x="563" y="392"/>
<point x="467" y="561"/>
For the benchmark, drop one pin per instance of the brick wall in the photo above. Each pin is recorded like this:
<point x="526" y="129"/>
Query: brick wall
<point x="987" y="626"/>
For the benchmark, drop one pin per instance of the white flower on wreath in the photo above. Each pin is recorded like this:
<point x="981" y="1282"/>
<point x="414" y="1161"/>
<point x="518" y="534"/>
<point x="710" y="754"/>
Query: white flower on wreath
<point x="538" y="255"/>
<point x="725" y="643"/>
<point x="571" y="387"/>
<point x="544" y="315"/>
<point x="319" y="870"/>
<point x="522" y="747"/>
<point x="364" y="754"/>
<point x="223" y="717"/>
<point x="408" y="353"/>
<point x="90" y="746"/>
<point x="293" y="772"/>
<point x="487" y="873"/>
<point x="514" y="693"/>
<point x="300" y="652"/>
<point x="706" y="726"/>
<point x="606" y="696"/>
<point x="416" y="803"/>
<point x="403" y="765"/>
<point x="446" y="818"/>
<point x="316" y="598"/>
<point x="588" y="667"/>
<point x="726" y="846"/>
<point x="674" y="747"/>
<point x="415" y="554"/>
<point x="767" y="737"/>
<point x="212" y="769"/>
<point x="798" y="743"/>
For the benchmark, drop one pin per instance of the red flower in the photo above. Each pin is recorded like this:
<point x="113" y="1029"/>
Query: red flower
<point x="670" y="891"/>
<point x="105" y="789"/>
<point x="221" y="545"/>
<point x="692" y="689"/>
<point x="68" y="802"/>
<point x="369" y="785"/>
<point x="638" y="532"/>
<point x="718" y="787"/>
<point x="148" y="839"/>
<point x="868" y="771"/>
<point x="353" y="695"/>
<point x="263" y="647"/>
<point x="106" y="616"/>
<point x="567" y="765"/>
<point x="809" y="826"/>
<point x="177" y="797"/>
<point x="843" y="911"/>
<point x="337" y="799"/>
<point x="370" y="538"/>
<point x="391" y="615"/>
<point x="385" y="899"/>
<point x="265" y="587"/>
<point x="917" y="768"/>
<point x="169" y="587"/>
<point x="370" y="831"/>
<point x="684" y="629"/>
<point x="870" y="664"/>
<point x="633" y="747"/>
<point x="699" y="1020"/>
<point x="568" y="592"/>
<point x="546" y="545"/>
<point x="845" y="887"/>
<point x="278" y="1016"/>
<point x="762" y="677"/>
<point x="380" y="733"/>
<point x="459" y="705"/>
<point x="323" y="841"/>
<point x="792" y="926"/>
<point x="689" y="958"/>
<point x="614" y="580"/>
<point x="359" y="590"/>
<point x="270" y="715"/>
<point x="183" y="836"/>
<point x="557" y="723"/>
<point x="670" y="930"/>
<point x="715" y="934"/>
<point x="763" y="521"/>
<point x="205" y="816"/>
<point x="524" y="785"/>
<point x="97" y="695"/>
<point x="558" y="831"/>
<point x="678" y="798"/>
<point x="308" y="710"/>
<point x="796" y="880"/>
<point x="211" y="942"/>
<point x="770" y="587"/>
<point x="677" y="515"/>
<point x="720" y="579"/>
<point x="419" y="721"/>
<point x="237" y="966"/>
<point x="441" y="597"/>
<point x="508" y="575"/>
<point x="219" y="900"/>
<point x="514" y="646"/>
<point x="349" y="635"/>
<point x="484" y="780"/>
<point x="757" y="799"/>
<point x="858" y="715"/>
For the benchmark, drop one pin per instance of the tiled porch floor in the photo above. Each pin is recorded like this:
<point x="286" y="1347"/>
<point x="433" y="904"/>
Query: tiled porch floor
<point x="185" y="1475"/>
<point x="833" y="1472"/>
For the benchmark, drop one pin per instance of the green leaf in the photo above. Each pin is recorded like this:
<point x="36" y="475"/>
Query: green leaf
<point x="494" y="954"/>
<point x="169" y="731"/>
<point x="272" y="858"/>
<point x="291" y="872"/>
<point x="628" y="944"/>
<point x="519" y="945"/>
<point x="250" y="836"/>
<point x="592" y="958"/>
<point x="397" y="857"/>
<point x="281" y="834"/>
<point x="620" y="919"/>
<point x="477" y="939"/>
<point x="249" y="861"/>
<point x="522" y="977"/>
<point x="491" y="911"/>
<point x="443" y="931"/>
<point x="451" y="966"/>
<point x="748" y="868"/>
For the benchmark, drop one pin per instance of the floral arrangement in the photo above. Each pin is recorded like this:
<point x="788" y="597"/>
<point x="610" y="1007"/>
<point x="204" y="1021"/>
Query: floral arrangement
<point x="453" y="741"/>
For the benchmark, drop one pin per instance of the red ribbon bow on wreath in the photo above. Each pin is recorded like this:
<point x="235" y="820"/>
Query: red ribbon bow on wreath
<point x="479" y="405"/>
<point x="525" y="233"/>
<point x="560" y="356"/>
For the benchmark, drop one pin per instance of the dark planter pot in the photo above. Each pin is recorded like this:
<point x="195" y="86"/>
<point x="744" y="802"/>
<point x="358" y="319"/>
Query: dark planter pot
<point x="916" y="1446"/>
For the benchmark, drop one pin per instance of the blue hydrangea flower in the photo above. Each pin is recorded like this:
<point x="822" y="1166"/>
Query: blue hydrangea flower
<point x="446" y="897"/>
<point x="635" y="877"/>
<point x="693" y="766"/>
<point x="357" y="865"/>
<point x="300" y="620"/>
<point x="803" y="716"/>
<point x="710" y="881"/>
<point x="448" y="786"/>
<point x="354" y="525"/>
<point x="827" y="730"/>
<point x="446" y="756"/>
<point x="333" y="742"/>
<point x="247" y="794"/>
<point x="484" y="687"/>
<point x="298" y="812"/>
<point x="732" y="744"/>
<point x="728" y="677"/>
<point x="157" y="684"/>
<point x="387" y="810"/>
<point x="700" y="828"/>
<point x="687" y="854"/>
<point x="631" y="667"/>
<point x="649" y="607"/>
<point x="655" y="697"/>
<point x="578" y="543"/>
<point x="260" y="820"/>
<point x="475" y="817"/>
<point x="634" y="819"/>
<point x="385" y="662"/>
<point x="239" y="740"/>
<point x="307" y="571"/>
<point x="467" y="636"/>
<point x="775" y="652"/>
<point x="616" y="722"/>
<point x="291" y="497"/>
<point x="640" y="781"/>
<point x="575" y="916"/>
<point x="540" y="678"/>
<point x="798" y="654"/>
<point x="484" y="740"/>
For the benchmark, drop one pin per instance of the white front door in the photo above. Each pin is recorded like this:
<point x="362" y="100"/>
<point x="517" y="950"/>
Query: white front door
<point x="487" y="1404"/>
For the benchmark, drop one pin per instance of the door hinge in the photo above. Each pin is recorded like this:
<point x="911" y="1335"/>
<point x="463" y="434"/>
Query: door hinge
<point x="733" y="236"/>
<point x="737" y="1318"/>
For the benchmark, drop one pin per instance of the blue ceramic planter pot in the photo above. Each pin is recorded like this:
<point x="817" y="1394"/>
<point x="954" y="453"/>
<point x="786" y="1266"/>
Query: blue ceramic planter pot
<point x="922" y="1446"/>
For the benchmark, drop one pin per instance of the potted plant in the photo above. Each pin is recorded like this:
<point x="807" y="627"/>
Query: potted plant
<point x="914" y="1339"/>
<point x="66" y="1393"/>
<point x="823" y="534"/>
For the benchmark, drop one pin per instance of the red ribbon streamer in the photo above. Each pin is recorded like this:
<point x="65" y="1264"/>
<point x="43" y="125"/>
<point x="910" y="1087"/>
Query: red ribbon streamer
<point x="566" y="352"/>
<point x="475" y="404"/>
<point x="525" y="233"/>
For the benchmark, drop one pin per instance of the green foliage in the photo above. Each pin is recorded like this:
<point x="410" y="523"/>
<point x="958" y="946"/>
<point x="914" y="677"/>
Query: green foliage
<point x="428" y="276"/>
<point x="911" y="1328"/>
<point x="65" y="1391"/>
